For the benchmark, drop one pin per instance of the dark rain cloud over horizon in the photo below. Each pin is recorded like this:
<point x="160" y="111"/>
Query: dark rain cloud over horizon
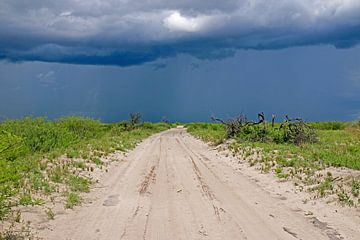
<point x="317" y="83"/>
<point x="126" y="33"/>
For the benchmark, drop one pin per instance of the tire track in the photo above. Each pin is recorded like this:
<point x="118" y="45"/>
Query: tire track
<point x="173" y="187"/>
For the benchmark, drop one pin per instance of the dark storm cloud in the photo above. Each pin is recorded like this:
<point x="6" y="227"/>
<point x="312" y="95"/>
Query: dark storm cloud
<point x="124" y="33"/>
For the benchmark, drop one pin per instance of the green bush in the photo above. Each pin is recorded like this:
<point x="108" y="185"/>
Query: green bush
<point x="82" y="128"/>
<point x="72" y="200"/>
<point x="38" y="135"/>
<point x="296" y="133"/>
<point x="255" y="133"/>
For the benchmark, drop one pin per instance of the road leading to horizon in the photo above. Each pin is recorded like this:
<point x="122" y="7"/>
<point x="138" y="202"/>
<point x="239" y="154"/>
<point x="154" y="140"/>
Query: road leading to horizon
<point x="173" y="187"/>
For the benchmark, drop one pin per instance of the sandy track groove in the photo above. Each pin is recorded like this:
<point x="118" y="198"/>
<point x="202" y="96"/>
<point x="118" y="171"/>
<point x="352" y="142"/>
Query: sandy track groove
<point x="172" y="187"/>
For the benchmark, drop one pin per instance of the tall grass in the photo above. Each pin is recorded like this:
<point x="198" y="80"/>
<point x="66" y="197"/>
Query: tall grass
<point x="38" y="135"/>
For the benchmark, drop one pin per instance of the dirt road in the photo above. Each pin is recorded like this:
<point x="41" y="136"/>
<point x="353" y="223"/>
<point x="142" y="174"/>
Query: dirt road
<point x="172" y="187"/>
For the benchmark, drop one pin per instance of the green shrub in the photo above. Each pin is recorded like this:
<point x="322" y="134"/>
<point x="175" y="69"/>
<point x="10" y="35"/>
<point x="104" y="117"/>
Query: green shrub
<point x="72" y="200"/>
<point x="82" y="128"/>
<point x="37" y="134"/>
<point x="326" y="185"/>
<point x="26" y="199"/>
<point x="355" y="187"/>
<point x="345" y="199"/>
<point x="296" y="131"/>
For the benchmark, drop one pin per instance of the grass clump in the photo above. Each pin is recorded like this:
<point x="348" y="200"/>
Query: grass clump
<point x="345" y="199"/>
<point x="355" y="187"/>
<point x="72" y="200"/>
<point x="325" y="185"/>
<point x="27" y="200"/>
<point x="78" y="184"/>
<point x="9" y="235"/>
<point x="50" y="214"/>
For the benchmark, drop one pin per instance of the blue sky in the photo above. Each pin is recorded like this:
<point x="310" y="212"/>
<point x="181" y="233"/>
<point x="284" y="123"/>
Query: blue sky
<point x="186" y="60"/>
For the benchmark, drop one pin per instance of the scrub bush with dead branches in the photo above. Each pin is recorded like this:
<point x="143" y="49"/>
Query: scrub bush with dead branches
<point x="236" y="125"/>
<point x="135" y="119"/>
<point x="294" y="131"/>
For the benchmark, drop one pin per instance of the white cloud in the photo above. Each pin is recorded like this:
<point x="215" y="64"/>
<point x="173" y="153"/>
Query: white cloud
<point x="65" y="14"/>
<point x="176" y="22"/>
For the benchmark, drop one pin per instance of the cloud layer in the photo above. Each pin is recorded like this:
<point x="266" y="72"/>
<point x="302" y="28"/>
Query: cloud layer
<point x="124" y="33"/>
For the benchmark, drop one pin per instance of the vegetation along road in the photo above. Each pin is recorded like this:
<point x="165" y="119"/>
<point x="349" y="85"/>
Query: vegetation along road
<point x="174" y="186"/>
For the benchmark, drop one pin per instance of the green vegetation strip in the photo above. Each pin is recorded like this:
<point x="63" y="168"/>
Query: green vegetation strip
<point x="32" y="153"/>
<point x="337" y="145"/>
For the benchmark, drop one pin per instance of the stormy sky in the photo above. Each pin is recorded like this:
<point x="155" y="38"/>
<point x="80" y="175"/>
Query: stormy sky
<point x="186" y="60"/>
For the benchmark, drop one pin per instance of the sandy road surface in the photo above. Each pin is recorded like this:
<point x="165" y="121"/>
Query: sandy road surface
<point x="172" y="187"/>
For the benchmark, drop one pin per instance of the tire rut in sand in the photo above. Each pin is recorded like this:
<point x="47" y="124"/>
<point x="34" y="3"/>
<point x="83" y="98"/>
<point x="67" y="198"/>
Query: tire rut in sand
<point x="149" y="178"/>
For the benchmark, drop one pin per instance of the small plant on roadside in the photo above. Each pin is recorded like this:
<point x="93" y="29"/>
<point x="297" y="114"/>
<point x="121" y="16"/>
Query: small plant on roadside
<point x="79" y="164"/>
<point x="17" y="216"/>
<point x="72" y="200"/>
<point x="26" y="200"/>
<point x="57" y="174"/>
<point x="78" y="184"/>
<point x="50" y="214"/>
<point x="4" y="207"/>
<point x="345" y="199"/>
<point x="355" y="187"/>
<point x="73" y="154"/>
<point x="280" y="174"/>
<point x="12" y="233"/>
<point x="97" y="161"/>
<point x="325" y="185"/>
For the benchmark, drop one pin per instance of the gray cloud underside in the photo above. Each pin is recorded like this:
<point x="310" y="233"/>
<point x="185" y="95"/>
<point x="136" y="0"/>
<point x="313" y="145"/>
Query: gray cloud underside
<point x="128" y="33"/>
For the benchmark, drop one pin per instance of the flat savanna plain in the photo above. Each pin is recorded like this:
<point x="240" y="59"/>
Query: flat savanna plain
<point x="174" y="186"/>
